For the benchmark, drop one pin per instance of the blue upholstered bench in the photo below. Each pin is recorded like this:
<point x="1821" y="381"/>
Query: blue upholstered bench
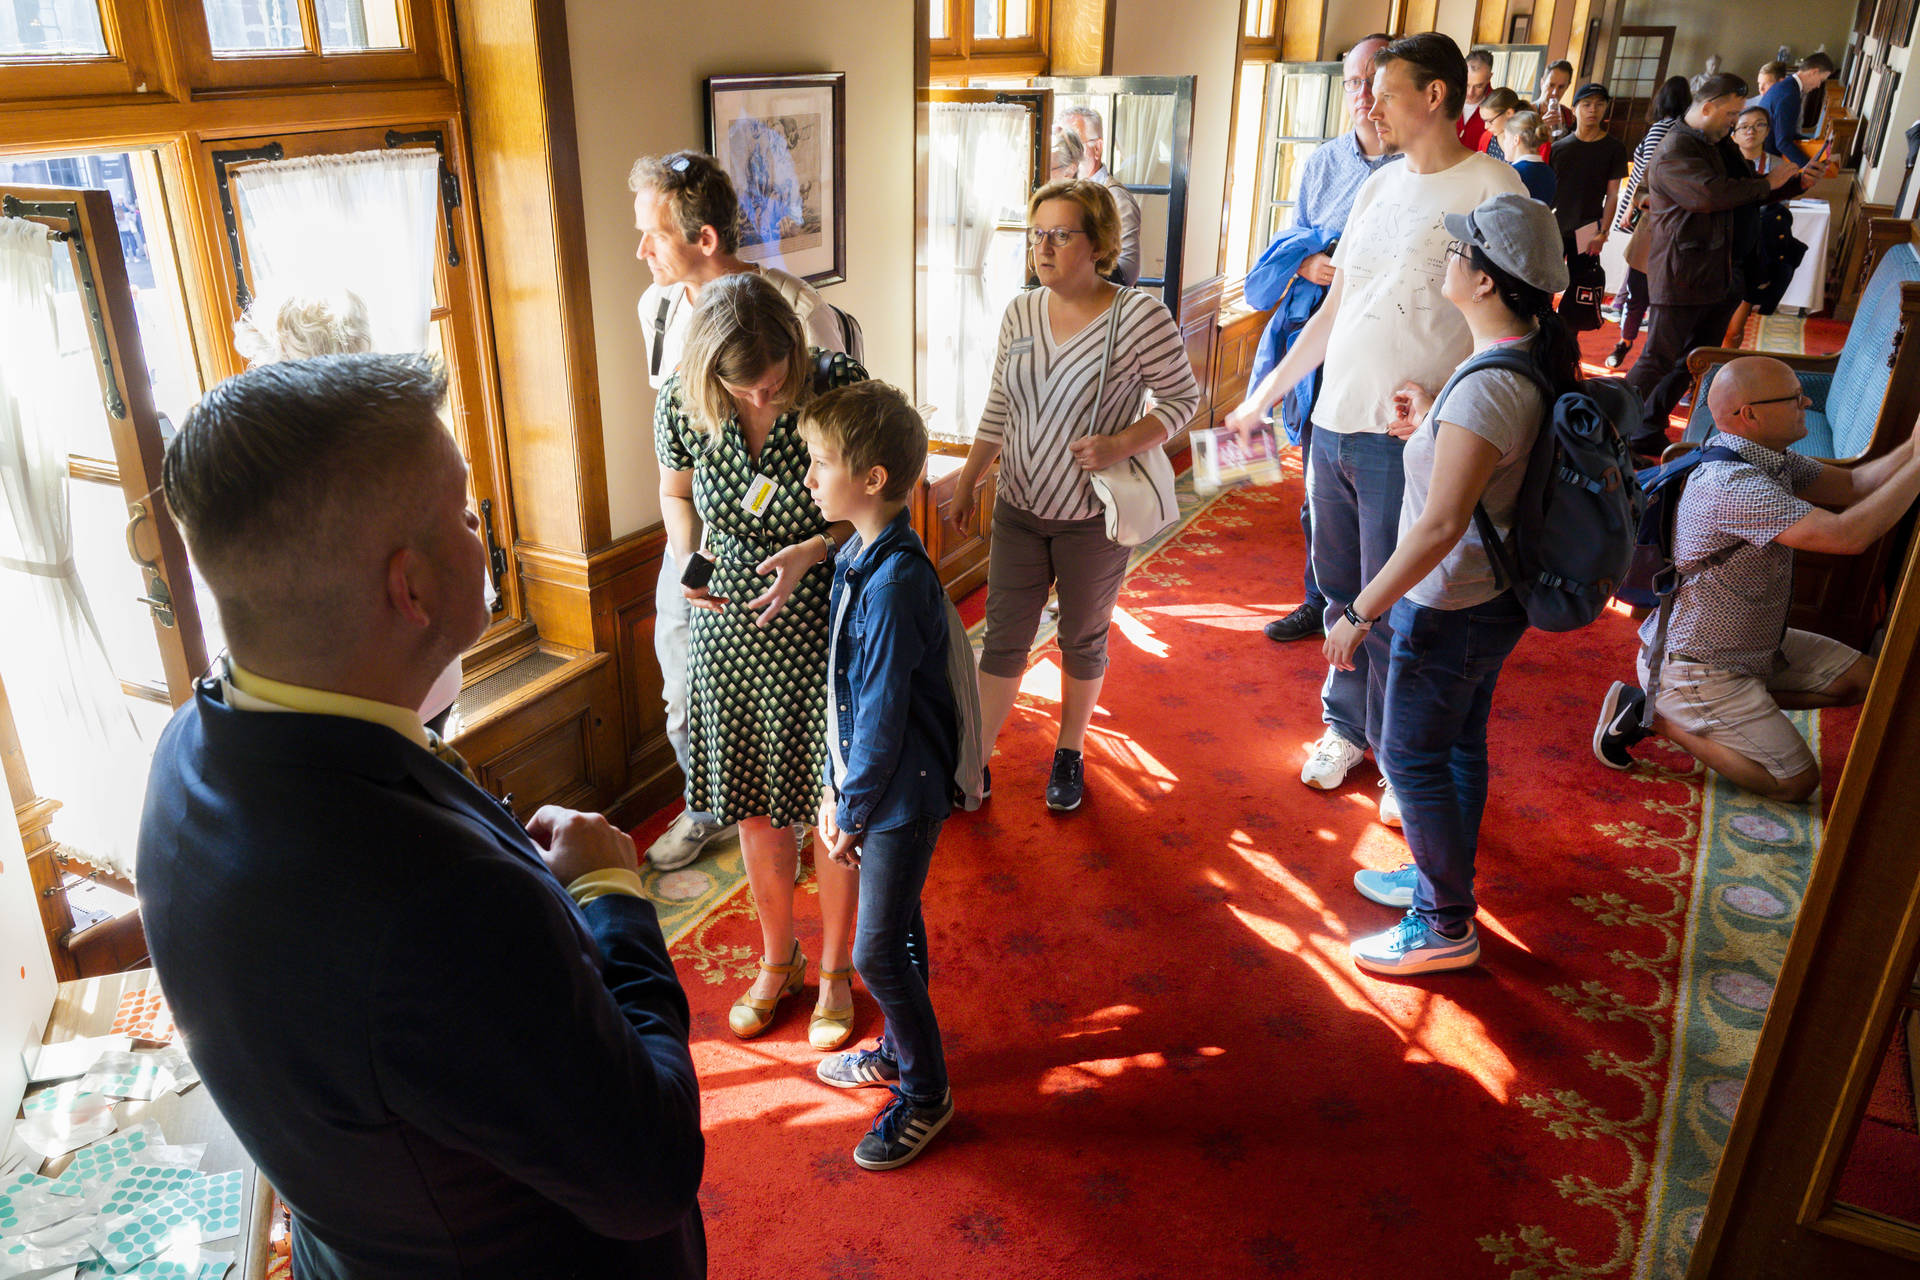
<point x="1855" y="392"/>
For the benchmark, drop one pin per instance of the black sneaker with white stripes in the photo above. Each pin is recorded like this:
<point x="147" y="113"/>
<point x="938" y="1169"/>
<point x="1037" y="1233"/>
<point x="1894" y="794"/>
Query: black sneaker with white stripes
<point x="1618" y="727"/>
<point x="858" y="1069"/>
<point x="902" y="1132"/>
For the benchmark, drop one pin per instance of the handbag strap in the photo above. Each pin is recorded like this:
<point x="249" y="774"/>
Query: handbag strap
<point x="1106" y="356"/>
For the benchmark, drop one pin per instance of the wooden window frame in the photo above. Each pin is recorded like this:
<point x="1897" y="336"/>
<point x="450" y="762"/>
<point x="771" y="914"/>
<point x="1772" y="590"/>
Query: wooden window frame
<point x="420" y="58"/>
<point x="963" y="54"/>
<point x="84" y="114"/>
<point x="131" y="66"/>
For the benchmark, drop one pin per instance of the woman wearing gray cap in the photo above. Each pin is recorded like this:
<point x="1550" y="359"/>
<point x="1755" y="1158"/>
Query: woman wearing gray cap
<point x="1453" y="623"/>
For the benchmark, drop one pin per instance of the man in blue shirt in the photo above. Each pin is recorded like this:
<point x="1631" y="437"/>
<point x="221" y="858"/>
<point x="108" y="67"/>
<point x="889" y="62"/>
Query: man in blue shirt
<point x="1785" y="102"/>
<point x="1329" y="180"/>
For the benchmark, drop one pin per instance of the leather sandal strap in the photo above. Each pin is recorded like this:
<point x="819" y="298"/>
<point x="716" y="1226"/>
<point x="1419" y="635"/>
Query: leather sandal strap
<point x="794" y="965"/>
<point x="835" y="975"/>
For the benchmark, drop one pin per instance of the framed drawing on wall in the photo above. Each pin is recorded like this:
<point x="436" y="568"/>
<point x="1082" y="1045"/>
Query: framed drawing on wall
<point x="782" y="139"/>
<point x="1520" y="28"/>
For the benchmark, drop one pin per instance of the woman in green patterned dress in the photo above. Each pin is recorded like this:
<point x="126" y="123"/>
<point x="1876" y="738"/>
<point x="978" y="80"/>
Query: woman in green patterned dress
<point x="730" y="457"/>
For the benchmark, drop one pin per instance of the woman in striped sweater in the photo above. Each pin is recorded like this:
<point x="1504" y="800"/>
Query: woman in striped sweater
<point x="1668" y="105"/>
<point x="1048" y="529"/>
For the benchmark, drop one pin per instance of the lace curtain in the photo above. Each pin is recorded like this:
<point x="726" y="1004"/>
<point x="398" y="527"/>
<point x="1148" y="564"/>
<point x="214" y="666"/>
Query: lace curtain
<point x="78" y="734"/>
<point x="1142" y="139"/>
<point x="979" y="172"/>
<point x="363" y="222"/>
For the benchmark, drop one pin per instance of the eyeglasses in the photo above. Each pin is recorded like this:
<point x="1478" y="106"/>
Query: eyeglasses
<point x="1755" y="127"/>
<point x="1354" y="84"/>
<point x="1460" y="249"/>
<point x="1059" y="235"/>
<point x="1798" y="397"/>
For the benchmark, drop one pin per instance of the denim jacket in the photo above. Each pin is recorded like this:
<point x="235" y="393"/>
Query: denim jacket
<point x="891" y="726"/>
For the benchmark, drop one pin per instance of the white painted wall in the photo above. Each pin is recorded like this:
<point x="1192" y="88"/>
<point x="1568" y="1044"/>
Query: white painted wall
<point x="26" y="974"/>
<point x="637" y="90"/>
<point x="1151" y="38"/>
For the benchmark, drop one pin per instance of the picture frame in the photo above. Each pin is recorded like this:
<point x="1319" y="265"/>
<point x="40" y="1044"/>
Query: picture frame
<point x="782" y="139"/>
<point x="1520" y="28"/>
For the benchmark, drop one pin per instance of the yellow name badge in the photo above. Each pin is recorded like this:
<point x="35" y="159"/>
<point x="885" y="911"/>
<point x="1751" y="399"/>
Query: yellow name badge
<point x="759" y="496"/>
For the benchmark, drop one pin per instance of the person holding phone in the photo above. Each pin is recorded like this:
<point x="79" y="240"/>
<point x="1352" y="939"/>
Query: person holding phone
<point x="732" y="460"/>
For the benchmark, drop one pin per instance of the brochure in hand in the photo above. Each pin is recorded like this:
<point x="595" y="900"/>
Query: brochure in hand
<point x="1220" y="461"/>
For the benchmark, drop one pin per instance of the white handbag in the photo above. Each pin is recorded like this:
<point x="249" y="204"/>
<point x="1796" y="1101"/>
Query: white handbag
<point x="1136" y="492"/>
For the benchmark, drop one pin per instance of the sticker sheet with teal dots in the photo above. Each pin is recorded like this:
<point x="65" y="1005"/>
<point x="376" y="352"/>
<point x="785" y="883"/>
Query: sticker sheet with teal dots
<point x="24" y="1205"/>
<point x="104" y="1161"/>
<point x="62" y="1097"/>
<point x="206" y="1208"/>
<point x="143" y="1183"/>
<point x="205" y="1267"/>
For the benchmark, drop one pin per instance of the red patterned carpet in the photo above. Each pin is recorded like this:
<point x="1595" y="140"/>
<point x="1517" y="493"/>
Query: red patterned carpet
<point x="1163" y="1061"/>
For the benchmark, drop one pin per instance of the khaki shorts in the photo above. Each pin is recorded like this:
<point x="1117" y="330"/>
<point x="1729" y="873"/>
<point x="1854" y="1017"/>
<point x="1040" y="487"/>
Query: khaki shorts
<point x="1737" y="710"/>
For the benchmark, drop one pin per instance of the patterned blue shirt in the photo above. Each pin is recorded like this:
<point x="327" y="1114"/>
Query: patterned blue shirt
<point x="1331" y="178"/>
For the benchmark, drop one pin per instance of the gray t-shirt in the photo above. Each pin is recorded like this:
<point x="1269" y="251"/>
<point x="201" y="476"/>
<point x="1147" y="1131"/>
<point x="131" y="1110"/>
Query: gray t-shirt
<point x="1503" y="409"/>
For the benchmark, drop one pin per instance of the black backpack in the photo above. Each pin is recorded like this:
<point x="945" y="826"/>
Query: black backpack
<point x="1586" y="285"/>
<point x="1575" y="525"/>
<point x="1654" y="579"/>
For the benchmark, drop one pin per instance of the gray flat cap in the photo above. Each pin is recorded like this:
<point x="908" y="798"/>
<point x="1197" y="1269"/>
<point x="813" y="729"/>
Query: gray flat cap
<point x="1518" y="234"/>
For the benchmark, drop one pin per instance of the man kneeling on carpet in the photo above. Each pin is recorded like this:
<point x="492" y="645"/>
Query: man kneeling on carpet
<point x="1731" y="662"/>
<point x="892" y="737"/>
<point x="1453" y="622"/>
<point x="455" y="1046"/>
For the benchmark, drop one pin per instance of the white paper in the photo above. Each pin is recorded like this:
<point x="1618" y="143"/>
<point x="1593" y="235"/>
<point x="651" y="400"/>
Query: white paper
<point x="1584" y="236"/>
<point x="72" y="1058"/>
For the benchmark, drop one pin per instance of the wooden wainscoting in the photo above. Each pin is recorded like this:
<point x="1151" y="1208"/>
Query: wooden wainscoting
<point x="1239" y="340"/>
<point x="960" y="554"/>
<point x="1200" y="331"/>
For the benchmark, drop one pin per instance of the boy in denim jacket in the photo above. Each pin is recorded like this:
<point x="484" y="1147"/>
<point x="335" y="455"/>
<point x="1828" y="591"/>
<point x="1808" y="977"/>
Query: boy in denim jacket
<point x="892" y="736"/>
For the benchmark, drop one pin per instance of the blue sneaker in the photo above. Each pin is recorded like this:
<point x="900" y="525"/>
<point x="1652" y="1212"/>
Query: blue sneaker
<point x="902" y="1132"/>
<point x="858" y="1069"/>
<point x="1388" y="888"/>
<point x="1413" y="946"/>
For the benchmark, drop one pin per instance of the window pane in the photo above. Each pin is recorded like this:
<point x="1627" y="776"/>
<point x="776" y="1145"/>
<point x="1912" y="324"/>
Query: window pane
<point x="937" y="19"/>
<point x="244" y="26"/>
<point x="159" y="301"/>
<point x="1018" y="19"/>
<point x="348" y="26"/>
<point x="113" y="582"/>
<point x="986" y="19"/>
<point x="50" y="28"/>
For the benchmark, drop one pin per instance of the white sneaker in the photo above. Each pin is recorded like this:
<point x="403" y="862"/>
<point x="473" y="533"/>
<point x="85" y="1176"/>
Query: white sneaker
<point x="1332" y="756"/>
<point x="683" y="842"/>
<point x="1389" y="805"/>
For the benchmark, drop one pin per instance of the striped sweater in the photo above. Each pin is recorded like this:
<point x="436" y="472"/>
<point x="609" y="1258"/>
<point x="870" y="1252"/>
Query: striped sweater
<point x="1042" y="396"/>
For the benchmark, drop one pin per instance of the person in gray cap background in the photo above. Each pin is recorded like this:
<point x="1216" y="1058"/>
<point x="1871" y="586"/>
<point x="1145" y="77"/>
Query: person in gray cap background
<point x="1453" y="624"/>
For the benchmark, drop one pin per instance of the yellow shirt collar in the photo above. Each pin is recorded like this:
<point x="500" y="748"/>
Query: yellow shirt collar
<point x="258" y="693"/>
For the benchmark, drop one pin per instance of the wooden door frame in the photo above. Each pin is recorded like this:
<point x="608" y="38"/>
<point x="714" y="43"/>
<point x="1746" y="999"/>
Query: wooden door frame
<point x="1847" y="971"/>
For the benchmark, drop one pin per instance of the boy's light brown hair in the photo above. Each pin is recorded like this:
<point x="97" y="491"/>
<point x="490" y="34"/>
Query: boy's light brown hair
<point x="872" y="425"/>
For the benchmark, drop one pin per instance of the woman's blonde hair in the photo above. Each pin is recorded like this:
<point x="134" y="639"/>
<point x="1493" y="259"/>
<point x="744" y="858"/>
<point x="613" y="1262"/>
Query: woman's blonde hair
<point x="741" y="331"/>
<point x="1099" y="216"/>
<point x="1529" y="130"/>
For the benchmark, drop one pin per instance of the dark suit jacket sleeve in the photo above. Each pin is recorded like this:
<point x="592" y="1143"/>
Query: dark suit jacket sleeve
<point x="1695" y="182"/>
<point x="501" y="1029"/>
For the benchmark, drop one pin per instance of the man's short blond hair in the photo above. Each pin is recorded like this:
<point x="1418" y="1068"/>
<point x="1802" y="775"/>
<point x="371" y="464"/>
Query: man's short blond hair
<point x="872" y="425"/>
<point x="1099" y="215"/>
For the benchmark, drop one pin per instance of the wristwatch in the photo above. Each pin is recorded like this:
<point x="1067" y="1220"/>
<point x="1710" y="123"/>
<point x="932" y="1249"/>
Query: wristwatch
<point x="1359" y="623"/>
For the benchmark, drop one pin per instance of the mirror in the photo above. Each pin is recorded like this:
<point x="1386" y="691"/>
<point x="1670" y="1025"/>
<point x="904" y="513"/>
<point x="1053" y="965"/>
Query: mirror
<point x="1148" y="124"/>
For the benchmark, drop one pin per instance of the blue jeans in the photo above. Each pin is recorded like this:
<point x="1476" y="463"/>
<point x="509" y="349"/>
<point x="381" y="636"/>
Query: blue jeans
<point x="1313" y="596"/>
<point x="1354" y="482"/>
<point x="890" y="951"/>
<point x="1434" y="742"/>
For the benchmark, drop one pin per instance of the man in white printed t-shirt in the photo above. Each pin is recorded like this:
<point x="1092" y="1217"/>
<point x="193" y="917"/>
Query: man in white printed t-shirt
<point x="1384" y="323"/>
<point x="688" y="216"/>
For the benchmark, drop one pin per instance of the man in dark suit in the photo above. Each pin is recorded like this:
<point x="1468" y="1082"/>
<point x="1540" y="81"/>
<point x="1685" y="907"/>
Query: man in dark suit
<point x="455" y="1046"/>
